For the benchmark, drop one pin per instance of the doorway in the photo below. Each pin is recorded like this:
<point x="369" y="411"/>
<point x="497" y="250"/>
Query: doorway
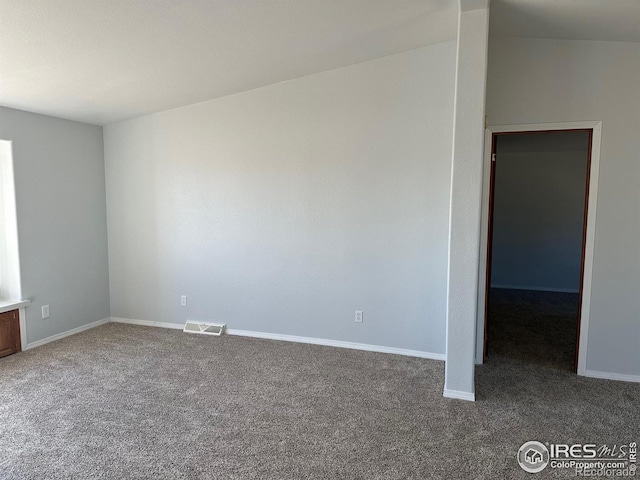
<point x="537" y="224"/>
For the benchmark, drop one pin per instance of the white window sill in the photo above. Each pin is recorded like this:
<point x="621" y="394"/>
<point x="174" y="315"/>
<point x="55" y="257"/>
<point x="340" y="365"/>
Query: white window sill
<point x="8" y="305"/>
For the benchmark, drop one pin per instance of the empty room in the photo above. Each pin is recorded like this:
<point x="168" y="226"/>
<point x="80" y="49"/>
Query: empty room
<point x="287" y="239"/>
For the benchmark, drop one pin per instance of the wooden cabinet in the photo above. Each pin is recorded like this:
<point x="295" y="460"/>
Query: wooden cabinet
<point x="9" y="333"/>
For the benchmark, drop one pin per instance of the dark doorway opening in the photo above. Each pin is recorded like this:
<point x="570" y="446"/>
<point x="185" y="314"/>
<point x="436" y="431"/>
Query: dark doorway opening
<point x="536" y="245"/>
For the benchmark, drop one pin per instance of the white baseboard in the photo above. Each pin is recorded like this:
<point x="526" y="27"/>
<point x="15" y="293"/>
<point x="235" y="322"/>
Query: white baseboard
<point x="147" y="323"/>
<point x="68" y="333"/>
<point x="623" y="377"/>
<point x="338" y="343"/>
<point x="457" y="394"/>
<point x="536" y="289"/>
<point x="296" y="339"/>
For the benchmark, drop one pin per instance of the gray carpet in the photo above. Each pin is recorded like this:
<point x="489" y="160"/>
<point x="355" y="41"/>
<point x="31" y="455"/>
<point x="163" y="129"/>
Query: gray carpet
<point x="126" y="402"/>
<point x="533" y="327"/>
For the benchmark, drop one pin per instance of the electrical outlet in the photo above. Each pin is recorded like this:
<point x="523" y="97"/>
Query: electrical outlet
<point x="359" y="316"/>
<point x="45" y="311"/>
<point x="183" y="301"/>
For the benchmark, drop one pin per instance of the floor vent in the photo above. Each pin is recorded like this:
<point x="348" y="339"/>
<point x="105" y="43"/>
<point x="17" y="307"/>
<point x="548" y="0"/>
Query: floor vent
<point x="216" y="329"/>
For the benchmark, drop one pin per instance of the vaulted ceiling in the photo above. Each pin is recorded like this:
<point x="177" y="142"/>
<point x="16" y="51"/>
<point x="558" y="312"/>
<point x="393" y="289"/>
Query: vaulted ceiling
<point x="100" y="61"/>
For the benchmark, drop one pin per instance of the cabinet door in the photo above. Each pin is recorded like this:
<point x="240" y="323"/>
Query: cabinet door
<point x="9" y="333"/>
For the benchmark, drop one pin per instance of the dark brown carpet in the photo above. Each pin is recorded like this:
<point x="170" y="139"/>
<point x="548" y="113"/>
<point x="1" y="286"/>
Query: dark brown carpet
<point x="126" y="402"/>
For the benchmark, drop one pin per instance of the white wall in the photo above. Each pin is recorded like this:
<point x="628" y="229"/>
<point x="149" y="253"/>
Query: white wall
<point x="536" y="81"/>
<point x="285" y="209"/>
<point x="61" y="217"/>
<point x="465" y="198"/>
<point x="538" y="212"/>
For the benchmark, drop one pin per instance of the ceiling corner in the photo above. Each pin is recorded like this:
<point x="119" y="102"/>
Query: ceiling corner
<point x="468" y="5"/>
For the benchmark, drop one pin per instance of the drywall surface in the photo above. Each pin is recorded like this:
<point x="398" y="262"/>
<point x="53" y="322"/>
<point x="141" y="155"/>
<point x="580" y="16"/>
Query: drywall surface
<point x="61" y="217"/>
<point x="538" y="81"/>
<point x="287" y="208"/>
<point x="465" y="201"/>
<point x="538" y="211"/>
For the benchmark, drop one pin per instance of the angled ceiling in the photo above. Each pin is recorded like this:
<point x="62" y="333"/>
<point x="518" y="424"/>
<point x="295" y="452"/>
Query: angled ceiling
<point x="608" y="20"/>
<point x="101" y="61"/>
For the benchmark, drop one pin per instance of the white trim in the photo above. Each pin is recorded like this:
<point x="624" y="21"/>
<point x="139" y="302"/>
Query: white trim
<point x="339" y="344"/>
<point x="68" y="333"/>
<point x="536" y="288"/>
<point x="623" y="377"/>
<point x="147" y="323"/>
<point x="589" y="247"/>
<point x="470" y="397"/>
<point x="23" y="327"/>
<point x="596" y="126"/>
<point x="9" y="305"/>
<point x="296" y="339"/>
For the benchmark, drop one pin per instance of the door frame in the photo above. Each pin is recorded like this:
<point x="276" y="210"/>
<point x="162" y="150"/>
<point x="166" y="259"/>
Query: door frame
<point x="589" y="233"/>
